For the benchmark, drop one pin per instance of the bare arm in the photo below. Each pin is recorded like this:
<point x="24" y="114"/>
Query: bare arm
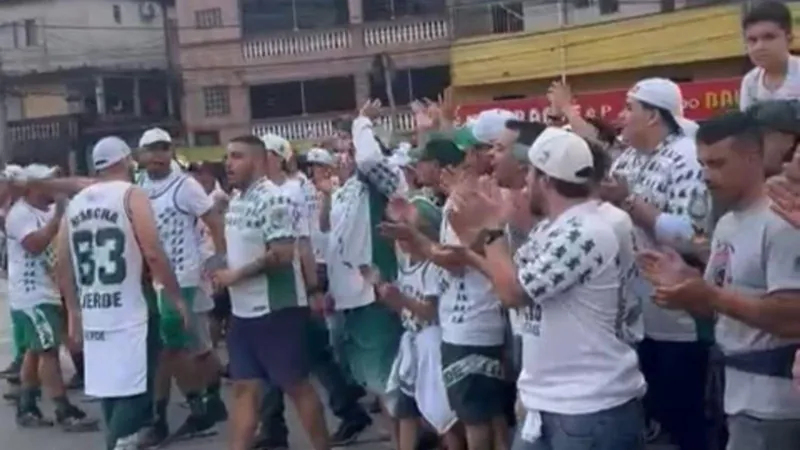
<point x="325" y="213"/>
<point x="37" y="241"/>
<point x="777" y="313"/>
<point x="279" y="253"/>
<point x="216" y="228"/>
<point x="144" y="227"/>
<point x="67" y="186"/>
<point x="65" y="275"/>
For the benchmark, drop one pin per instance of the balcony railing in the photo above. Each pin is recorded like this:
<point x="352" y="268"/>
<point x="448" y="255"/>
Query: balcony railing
<point x="393" y="34"/>
<point x="403" y="33"/>
<point x="302" y="128"/>
<point x="297" y="44"/>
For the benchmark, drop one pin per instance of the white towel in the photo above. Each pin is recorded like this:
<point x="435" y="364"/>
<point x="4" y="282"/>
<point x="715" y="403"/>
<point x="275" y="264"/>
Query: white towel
<point x="403" y="375"/>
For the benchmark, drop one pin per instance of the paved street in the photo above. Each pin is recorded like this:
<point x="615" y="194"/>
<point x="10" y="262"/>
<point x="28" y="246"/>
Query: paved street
<point x="12" y="438"/>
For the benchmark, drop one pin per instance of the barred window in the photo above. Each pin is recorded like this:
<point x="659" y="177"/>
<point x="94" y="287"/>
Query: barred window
<point x="208" y="18"/>
<point x="217" y="101"/>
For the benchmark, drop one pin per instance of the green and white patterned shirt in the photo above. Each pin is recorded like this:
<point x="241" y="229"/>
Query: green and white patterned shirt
<point x="257" y="217"/>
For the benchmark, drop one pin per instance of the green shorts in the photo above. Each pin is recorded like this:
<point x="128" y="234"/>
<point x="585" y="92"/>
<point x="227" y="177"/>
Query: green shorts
<point x="173" y="335"/>
<point x="370" y="339"/>
<point x="125" y="416"/>
<point x="40" y="327"/>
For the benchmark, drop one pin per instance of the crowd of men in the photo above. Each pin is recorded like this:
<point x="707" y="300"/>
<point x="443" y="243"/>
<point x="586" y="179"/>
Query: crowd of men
<point x="502" y="285"/>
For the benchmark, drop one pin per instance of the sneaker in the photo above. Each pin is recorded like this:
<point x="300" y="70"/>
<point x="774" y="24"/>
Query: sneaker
<point x="33" y="419"/>
<point x="12" y="395"/>
<point x="74" y="420"/>
<point x="266" y="443"/>
<point x="12" y="370"/>
<point x="153" y="436"/>
<point x="349" y="431"/>
<point x="216" y="410"/>
<point x="193" y="427"/>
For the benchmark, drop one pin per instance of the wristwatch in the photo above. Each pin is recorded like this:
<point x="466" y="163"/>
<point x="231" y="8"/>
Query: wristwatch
<point x="491" y="235"/>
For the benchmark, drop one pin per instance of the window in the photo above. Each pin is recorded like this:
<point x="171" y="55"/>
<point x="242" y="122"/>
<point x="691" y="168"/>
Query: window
<point x="267" y="16"/>
<point x="208" y="18"/>
<point x="31" y="33"/>
<point x="411" y="84"/>
<point x="378" y="10"/>
<point x="507" y="18"/>
<point x="118" y="93"/>
<point x="206" y="138"/>
<point x="15" y="33"/>
<point x="580" y="4"/>
<point x="117" y="13"/>
<point x="217" y="101"/>
<point x="316" y="96"/>
<point x="611" y="6"/>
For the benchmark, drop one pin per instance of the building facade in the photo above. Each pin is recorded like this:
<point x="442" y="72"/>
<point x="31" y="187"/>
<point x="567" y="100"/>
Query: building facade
<point x="293" y="67"/>
<point x="601" y="47"/>
<point x="104" y="63"/>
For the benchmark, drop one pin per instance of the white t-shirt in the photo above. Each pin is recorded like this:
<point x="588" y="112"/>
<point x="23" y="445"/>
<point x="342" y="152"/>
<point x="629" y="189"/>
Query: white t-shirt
<point x="178" y="202"/>
<point x="754" y="253"/>
<point x="255" y="218"/>
<point x="671" y="179"/>
<point x="418" y="281"/>
<point x="634" y="286"/>
<point x="469" y="311"/>
<point x="753" y="90"/>
<point x="573" y="358"/>
<point x="350" y="246"/>
<point x="297" y="187"/>
<point x="29" y="281"/>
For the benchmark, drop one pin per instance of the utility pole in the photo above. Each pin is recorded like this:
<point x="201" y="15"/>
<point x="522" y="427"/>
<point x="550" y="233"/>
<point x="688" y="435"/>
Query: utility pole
<point x="5" y="136"/>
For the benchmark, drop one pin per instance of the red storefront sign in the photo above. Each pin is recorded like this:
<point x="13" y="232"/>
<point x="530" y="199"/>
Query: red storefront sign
<point x="701" y="99"/>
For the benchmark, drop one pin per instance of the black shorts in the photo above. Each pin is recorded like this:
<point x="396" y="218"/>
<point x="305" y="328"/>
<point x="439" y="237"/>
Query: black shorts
<point x="407" y="407"/>
<point x="475" y="381"/>
<point x="222" y="305"/>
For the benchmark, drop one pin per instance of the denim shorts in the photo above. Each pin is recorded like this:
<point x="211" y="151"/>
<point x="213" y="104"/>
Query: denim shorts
<point x="618" y="428"/>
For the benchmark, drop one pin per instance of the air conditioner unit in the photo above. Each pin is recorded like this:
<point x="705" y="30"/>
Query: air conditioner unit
<point x="148" y="10"/>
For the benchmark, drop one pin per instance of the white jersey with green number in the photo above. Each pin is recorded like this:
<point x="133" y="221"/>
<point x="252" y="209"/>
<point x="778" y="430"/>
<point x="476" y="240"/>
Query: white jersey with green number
<point x="261" y="215"/>
<point x="106" y="258"/>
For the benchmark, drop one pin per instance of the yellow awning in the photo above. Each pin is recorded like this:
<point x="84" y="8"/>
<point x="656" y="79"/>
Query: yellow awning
<point x="197" y="154"/>
<point x="661" y="39"/>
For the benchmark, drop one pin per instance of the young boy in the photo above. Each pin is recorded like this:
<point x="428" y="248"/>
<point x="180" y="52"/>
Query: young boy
<point x="767" y="31"/>
<point x="416" y="384"/>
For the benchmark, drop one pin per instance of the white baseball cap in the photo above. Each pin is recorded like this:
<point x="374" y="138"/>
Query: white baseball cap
<point x="562" y="155"/>
<point x="319" y="156"/>
<point x="277" y="145"/>
<point x="109" y="151"/>
<point x="665" y="94"/>
<point x="38" y="172"/>
<point x="14" y="172"/>
<point x="490" y="124"/>
<point x="154" y="135"/>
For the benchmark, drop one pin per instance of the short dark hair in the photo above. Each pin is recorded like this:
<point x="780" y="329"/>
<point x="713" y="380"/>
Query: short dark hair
<point x="249" y="139"/>
<point x="740" y="126"/>
<point x="528" y="131"/>
<point x="669" y="120"/>
<point x="602" y="162"/>
<point x="566" y="189"/>
<point x="769" y="11"/>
